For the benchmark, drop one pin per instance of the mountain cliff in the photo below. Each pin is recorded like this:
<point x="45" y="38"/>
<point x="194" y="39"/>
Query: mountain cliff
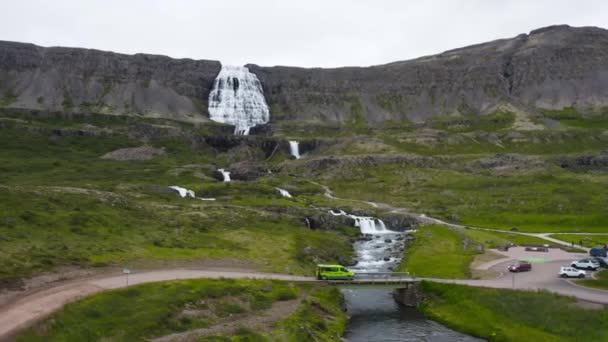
<point x="550" y="68"/>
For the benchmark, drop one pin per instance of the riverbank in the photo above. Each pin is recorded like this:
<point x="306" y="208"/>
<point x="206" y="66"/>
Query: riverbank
<point x="514" y="315"/>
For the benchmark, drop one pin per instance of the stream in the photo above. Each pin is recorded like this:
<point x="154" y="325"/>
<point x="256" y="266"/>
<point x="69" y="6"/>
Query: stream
<point x="374" y="314"/>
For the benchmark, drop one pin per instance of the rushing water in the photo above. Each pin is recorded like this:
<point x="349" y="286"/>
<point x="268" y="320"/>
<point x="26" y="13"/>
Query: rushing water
<point x="237" y="99"/>
<point x="294" y="148"/>
<point x="225" y="175"/>
<point x="375" y="315"/>
<point x="284" y="192"/>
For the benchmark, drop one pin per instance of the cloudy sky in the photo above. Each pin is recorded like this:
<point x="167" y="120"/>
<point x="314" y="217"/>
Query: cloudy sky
<point x="323" y="33"/>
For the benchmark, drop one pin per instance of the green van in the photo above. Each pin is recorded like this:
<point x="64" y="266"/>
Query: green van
<point x="329" y="272"/>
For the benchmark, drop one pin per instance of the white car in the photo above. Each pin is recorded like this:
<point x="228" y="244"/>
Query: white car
<point x="571" y="272"/>
<point x="588" y="264"/>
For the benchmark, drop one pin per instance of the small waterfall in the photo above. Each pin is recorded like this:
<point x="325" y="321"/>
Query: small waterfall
<point x="284" y="193"/>
<point x="307" y="223"/>
<point x="237" y="99"/>
<point x="377" y="249"/>
<point x="370" y="225"/>
<point x="367" y="225"/>
<point x="225" y="174"/>
<point x="294" y="148"/>
<point x="183" y="192"/>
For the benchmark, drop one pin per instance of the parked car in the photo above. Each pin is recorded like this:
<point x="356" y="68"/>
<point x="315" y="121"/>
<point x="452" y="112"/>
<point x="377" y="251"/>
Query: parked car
<point x="603" y="261"/>
<point x="334" y="272"/>
<point x="598" y="252"/>
<point x="520" y="266"/>
<point x="571" y="272"/>
<point x="588" y="264"/>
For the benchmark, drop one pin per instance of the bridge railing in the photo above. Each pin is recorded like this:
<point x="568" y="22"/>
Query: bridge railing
<point x="384" y="275"/>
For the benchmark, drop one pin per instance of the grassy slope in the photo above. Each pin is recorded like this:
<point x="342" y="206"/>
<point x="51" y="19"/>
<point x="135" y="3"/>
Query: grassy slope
<point x="156" y="309"/>
<point x="549" y="201"/>
<point x="44" y="224"/>
<point x="437" y="252"/>
<point x="587" y="240"/>
<point x="507" y="315"/>
<point x="600" y="281"/>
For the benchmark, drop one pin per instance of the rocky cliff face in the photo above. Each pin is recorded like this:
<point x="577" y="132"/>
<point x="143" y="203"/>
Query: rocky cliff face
<point x="550" y="68"/>
<point x="82" y="80"/>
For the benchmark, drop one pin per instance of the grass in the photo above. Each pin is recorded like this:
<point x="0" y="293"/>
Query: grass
<point x="41" y="229"/>
<point x="571" y="117"/>
<point x="600" y="281"/>
<point x="587" y="240"/>
<point x="509" y="315"/>
<point x="491" y="239"/>
<point x="319" y="318"/>
<point x="151" y="310"/>
<point x="549" y="200"/>
<point x="438" y="251"/>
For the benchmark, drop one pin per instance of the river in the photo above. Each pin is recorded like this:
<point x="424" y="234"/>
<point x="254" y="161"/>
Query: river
<point x="374" y="314"/>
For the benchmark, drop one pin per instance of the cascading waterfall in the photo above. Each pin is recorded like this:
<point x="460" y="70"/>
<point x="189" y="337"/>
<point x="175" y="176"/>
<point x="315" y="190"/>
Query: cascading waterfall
<point x="294" y="148"/>
<point x="225" y="174"/>
<point x="237" y="99"/>
<point x="367" y="225"/>
<point x="378" y="249"/>
<point x="284" y="193"/>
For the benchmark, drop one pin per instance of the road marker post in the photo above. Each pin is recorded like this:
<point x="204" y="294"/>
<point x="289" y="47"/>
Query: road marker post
<point x="126" y="271"/>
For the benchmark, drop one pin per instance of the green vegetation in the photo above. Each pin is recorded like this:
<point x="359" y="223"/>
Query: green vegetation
<point x="319" y="318"/>
<point x="491" y="239"/>
<point x="44" y="227"/>
<point x="439" y="251"/>
<point x="508" y="315"/>
<point x="587" y="240"/>
<point x="152" y="310"/>
<point x="600" y="281"/>
<point x="569" y="116"/>
<point x="62" y="205"/>
<point x="535" y="201"/>
<point x="489" y="122"/>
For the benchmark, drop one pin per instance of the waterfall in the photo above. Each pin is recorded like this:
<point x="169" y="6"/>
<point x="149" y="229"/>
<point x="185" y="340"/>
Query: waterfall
<point x="370" y="225"/>
<point x="294" y="147"/>
<point x="307" y="223"/>
<point x="183" y="192"/>
<point x="237" y="99"/>
<point x="284" y="193"/>
<point x="225" y="174"/>
<point x="367" y="225"/>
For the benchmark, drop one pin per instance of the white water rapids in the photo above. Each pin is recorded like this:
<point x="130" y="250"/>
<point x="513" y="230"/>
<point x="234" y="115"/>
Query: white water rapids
<point x="237" y="99"/>
<point x="294" y="148"/>
<point x="378" y="249"/>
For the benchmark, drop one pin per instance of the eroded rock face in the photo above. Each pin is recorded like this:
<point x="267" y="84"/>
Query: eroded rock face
<point x="553" y="67"/>
<point x="83" y="80"/>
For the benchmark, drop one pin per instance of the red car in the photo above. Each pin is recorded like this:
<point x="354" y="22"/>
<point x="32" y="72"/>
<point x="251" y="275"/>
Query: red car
<point x="520" y="266"/>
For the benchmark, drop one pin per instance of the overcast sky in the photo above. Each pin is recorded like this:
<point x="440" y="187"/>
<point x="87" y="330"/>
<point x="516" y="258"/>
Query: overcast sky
<point x="324" y="33"/>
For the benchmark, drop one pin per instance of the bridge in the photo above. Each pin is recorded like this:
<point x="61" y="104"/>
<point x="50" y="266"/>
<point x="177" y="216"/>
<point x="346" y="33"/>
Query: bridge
<point x="376" y="279"/>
